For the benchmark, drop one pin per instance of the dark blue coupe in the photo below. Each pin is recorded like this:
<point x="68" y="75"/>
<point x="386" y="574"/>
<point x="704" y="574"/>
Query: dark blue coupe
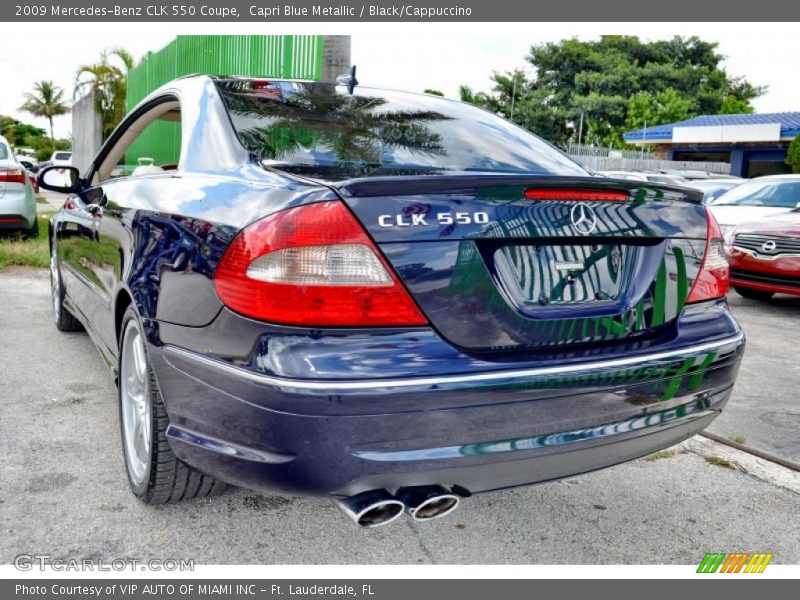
<point x="391" y="299"/>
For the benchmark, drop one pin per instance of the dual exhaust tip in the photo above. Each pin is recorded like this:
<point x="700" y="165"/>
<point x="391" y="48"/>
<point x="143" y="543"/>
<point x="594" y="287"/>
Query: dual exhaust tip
<point x="378" y="507"/>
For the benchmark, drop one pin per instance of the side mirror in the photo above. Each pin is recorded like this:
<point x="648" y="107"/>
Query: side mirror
<point x="59" y="179"/>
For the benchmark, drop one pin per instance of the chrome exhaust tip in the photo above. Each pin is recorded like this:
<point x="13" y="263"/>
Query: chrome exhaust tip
<point x="371" y="509"/>
<point x="426" y="502"/>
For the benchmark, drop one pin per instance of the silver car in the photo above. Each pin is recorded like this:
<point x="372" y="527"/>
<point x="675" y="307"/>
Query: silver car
<point x="17" y="198"/>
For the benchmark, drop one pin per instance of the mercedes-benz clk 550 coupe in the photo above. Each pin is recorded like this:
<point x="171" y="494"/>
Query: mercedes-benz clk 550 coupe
<point x="390" y="299"/>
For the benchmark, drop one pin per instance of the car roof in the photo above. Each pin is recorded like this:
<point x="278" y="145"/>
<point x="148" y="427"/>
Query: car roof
<point x="789" y="176"/>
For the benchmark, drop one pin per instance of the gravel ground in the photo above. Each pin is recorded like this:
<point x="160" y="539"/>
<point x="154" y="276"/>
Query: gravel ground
<point x="64" y="490"/>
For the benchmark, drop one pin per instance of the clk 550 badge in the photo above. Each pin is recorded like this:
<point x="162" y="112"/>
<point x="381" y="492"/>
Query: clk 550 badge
<point x="443" y="218"/>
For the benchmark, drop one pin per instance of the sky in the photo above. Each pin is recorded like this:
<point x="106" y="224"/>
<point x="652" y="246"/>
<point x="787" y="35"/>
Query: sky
<point x="404" y="56"/>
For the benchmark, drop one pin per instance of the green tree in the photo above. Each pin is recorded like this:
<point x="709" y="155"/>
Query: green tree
<point x="616" y="81"/>
<point x="108" y="79"/>
<point x="731" y="105"/>
<point x="46" y="100"/>
<point x="647" y="110"/>
<point x="793" y="155"/>
<point x="433" y="92"/>
<point x="466" y="94"/>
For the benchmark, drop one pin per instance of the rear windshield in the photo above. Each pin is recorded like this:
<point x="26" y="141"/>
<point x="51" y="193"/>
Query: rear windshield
<point x="3" y="152"/>
<point x="783" y="194"/>
<point x="321" y="129"/>
<point x="63" y="156"/>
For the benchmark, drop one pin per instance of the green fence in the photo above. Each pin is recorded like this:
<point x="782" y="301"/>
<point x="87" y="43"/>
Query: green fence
<point x="279" y="56"/>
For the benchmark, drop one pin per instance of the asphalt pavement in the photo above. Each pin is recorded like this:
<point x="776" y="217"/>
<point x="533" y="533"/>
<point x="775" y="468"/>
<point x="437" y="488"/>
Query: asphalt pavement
<point x="63" y="488"/>
<point x="765" y="406"/>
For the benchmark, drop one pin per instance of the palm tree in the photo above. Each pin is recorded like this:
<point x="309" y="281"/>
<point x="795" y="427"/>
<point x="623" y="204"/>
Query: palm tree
<point x="466" y="94"/>
<point x="109" y="82"/>
<point x="45" y="101"/>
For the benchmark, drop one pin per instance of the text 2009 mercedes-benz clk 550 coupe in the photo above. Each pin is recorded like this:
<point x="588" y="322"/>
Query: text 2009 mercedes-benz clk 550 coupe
<point x="391" y="299"/>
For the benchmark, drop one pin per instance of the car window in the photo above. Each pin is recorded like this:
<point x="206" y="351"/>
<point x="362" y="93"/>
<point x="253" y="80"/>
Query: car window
<point x="323" y="128"/>
<point x="783" y="194"/>
<point x="63" y="156"/>
<point x="149" y="144"/>
<point x="3" y="152"/>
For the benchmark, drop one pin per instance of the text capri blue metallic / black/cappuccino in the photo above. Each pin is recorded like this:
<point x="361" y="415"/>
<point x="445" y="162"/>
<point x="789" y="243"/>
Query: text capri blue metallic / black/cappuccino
<point x="390" y="299"/>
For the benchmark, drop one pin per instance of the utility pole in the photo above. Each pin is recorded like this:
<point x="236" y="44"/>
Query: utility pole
<point x="580" y="130"/>
<point x="644" y="138"/>
<point x="513" y="95"/>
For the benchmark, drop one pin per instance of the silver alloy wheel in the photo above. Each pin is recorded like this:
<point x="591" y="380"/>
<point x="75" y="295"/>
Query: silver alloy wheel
<point x="55" y="286"/>
<point x="135" y="399"/>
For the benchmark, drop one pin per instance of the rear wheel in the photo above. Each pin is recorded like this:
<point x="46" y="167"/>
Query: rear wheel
<point x="33" y="232"/>
<point x="155" y="474"/>
<point x="61" y="316"/>
<point x="753" y="294"/>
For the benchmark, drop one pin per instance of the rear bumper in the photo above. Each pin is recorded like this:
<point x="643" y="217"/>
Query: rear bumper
<point x="17" y="208"/>
<point x="492" y="430"/>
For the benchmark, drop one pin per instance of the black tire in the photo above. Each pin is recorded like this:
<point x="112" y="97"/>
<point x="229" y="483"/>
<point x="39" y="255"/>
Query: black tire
<point x="753" y="294"/>
<point x="166" y="478"/>
<point x="64" y="320"/>
<point x="33" y="232"/>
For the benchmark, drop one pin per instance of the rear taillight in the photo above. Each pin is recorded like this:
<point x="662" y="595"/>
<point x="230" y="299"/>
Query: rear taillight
<point x="575" y="195"/>
<point x="713" y="279"/>
<point x="313" y="265"/>
<point x="12" y="175"/>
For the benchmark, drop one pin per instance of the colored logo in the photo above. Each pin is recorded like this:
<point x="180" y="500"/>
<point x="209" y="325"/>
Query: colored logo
<point x="734" y="562"/>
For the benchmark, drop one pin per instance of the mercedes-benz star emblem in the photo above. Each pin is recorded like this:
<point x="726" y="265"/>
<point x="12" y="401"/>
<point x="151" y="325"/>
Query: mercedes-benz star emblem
<point x="769" y="246"/>
<point x="584" y="221"/>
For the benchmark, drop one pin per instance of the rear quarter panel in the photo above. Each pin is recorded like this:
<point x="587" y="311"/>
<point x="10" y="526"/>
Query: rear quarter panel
<point x="158" y="239"/>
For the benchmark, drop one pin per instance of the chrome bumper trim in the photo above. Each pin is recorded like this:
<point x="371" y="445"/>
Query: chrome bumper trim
<point x="332" y="386"/>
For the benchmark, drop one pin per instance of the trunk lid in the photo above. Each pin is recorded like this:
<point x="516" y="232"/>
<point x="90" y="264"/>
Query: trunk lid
<point x="494" y="270"/>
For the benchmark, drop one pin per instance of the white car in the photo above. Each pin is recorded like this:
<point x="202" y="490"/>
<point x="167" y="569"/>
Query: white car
<point x="17" y="198"/>
<point x="61" y="158"/>
<point x="755" y="199"/>
<point x="629" y="175"/>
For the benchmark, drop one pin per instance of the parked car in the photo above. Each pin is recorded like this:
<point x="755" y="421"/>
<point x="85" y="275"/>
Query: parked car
<point x="31" y="164"/>
<point x="697" y="174"/>
<point x="390" y="299"/>
<point x="628" y="175"/>
<point x="755" y="199"/>
<point x="17" y="197"/>
<point x="765" y="257"/>
<point x="666" y="179"/>
<point x="61" y="158"/>
<point x="713" y="188"/>
<point x="33" y="181"/>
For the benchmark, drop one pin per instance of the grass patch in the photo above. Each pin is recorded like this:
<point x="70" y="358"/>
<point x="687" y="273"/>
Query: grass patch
<point x="661" y="454"/>
<point x="720" y="462"/>
<point x="739" y="439"/>
<point x="31" y="252"/>
<point x="41" y="200"/>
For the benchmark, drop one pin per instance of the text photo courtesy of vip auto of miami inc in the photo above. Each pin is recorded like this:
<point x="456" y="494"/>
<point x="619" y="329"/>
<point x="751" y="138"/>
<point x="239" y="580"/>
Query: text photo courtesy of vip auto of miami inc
<point x="278" y="297"/>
